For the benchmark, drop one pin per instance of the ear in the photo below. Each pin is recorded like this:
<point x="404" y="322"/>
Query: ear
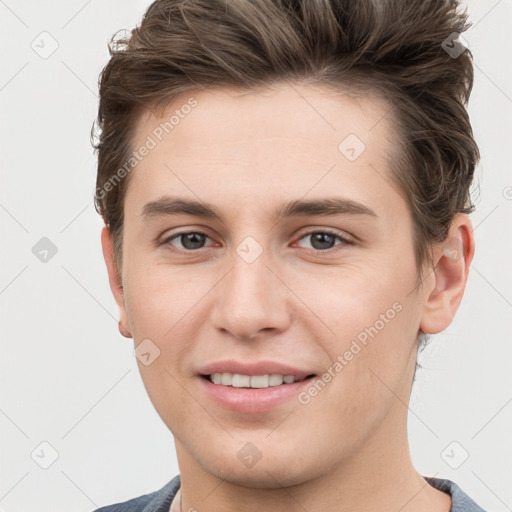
<point x="114" y="277"/>
<point x="452" y="259"/>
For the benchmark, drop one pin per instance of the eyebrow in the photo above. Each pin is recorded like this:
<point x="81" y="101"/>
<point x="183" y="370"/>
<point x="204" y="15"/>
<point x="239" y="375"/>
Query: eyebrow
<point x="166" y="206"/>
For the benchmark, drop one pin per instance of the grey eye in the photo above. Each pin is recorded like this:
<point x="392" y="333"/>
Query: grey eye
<point x="323" y="240"/>
<point x="190" y="240"/>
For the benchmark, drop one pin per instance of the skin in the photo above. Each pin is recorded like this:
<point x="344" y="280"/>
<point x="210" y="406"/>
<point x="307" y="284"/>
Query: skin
<point x="297" y="303"/>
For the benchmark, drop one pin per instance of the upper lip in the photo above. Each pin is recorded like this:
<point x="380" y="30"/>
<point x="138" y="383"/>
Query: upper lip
<point x="253" y="368"/>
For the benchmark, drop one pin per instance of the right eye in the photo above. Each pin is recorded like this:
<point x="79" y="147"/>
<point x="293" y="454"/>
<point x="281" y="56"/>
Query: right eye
<point x="189" y="240"/>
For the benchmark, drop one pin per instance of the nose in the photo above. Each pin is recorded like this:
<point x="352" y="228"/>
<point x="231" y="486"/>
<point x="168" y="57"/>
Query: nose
<point x="251" y="299"/>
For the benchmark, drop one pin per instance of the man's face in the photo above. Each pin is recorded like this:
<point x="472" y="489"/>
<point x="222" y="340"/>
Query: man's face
<point x="254" y="287"/>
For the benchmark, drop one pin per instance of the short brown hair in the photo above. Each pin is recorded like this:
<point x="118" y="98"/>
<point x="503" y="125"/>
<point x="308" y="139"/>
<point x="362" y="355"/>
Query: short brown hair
<point x="393" y="48"/>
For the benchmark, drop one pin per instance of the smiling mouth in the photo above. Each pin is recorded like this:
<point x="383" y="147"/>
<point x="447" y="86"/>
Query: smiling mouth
<point x="237" y="380"/>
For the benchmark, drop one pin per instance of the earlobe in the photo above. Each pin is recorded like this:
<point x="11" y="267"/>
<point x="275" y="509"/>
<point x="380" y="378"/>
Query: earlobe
<point x="452" y="260"/>
<point x="114" y="277"/>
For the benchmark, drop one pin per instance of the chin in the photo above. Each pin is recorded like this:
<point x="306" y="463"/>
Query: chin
<point x="261" y="476"/>
<point x="267" y="469"/>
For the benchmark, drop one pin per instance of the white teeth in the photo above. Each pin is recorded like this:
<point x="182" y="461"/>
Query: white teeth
<point x="226" y="379"/>
<point x="251" y="381"/>
<point x="241" y="381"/>
<point x="259" y="381"/>
<point x="275" y="380"/>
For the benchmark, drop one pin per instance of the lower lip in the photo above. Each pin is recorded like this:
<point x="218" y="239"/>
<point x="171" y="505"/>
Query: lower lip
<point x="248" y="400"/>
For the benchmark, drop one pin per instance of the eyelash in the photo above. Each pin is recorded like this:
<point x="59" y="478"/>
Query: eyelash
<point x="344" y="240"/>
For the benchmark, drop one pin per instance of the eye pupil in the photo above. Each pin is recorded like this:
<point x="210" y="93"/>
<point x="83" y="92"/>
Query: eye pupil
<point x="326" y="240"/>
<point x="190" y="240"/>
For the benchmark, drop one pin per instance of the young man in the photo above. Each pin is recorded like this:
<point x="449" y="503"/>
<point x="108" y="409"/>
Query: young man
<point x="285" y="191"/>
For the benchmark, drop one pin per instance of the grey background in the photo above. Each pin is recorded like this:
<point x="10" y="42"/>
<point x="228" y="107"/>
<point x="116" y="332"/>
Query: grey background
<point x="69" y="379"/>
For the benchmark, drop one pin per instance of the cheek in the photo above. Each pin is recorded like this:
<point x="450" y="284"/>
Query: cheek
<point x="167" y="306"/>
<point x="368" y="323"/>
<point x="354" y="302"/>
<point x="158" y="297"/>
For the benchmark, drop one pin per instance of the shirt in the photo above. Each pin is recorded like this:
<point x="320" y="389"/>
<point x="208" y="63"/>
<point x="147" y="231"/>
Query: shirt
<point x="160" y="501"/>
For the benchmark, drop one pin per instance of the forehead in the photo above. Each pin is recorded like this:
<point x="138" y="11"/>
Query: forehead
<point x="289" y="140"/>
<point x="237" y="115"/>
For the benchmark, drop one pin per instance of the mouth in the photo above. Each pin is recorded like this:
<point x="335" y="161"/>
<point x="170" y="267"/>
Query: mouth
<point x="253" y="394"/>
<point x="251" y="387"/>
<point x="237" y="380"/>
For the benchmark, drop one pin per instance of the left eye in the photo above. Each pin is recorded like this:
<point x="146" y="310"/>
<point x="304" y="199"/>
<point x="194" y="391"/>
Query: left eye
<point x="324" y="240"/>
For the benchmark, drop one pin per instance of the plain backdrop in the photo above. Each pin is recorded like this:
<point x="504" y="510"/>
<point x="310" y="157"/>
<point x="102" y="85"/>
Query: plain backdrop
<point x="70" y="387"/>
